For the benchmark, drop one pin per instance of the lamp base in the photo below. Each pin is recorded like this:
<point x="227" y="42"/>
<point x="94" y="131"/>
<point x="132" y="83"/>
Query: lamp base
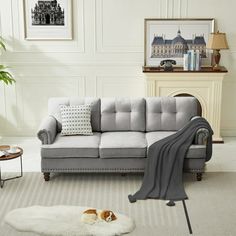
<point x="216" y="67"/>
<point x="217" y="56"/>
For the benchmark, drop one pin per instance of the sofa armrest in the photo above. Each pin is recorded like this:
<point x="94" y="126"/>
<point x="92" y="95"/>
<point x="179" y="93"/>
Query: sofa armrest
<point x="201" y="135"/>
<point x="47" y="130"/>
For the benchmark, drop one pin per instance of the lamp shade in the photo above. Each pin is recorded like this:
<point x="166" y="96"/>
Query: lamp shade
<point x="217" y="41"/>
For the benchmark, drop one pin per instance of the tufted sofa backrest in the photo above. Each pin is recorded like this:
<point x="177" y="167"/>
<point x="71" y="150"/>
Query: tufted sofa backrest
<point x="169" y="113"/>
<point x="131" y="114"/>
<point x="123" y="114"/>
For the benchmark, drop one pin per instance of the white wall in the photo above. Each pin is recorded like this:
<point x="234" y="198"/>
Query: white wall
<point x="104" y="59"/>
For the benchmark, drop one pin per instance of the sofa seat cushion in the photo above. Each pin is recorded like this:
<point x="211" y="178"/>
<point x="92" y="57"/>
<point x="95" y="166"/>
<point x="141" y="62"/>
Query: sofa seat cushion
<point x="195" y="151"/>
<point x="123" y="145"/>
<point x="73" y="146"/>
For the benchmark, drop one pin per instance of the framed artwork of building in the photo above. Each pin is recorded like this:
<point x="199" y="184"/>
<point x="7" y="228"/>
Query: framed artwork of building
<point x="172" y="38"/>
<point x="48" y="19"/>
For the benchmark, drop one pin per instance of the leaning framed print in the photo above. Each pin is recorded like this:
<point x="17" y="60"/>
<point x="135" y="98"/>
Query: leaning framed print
<point x="172" y="38"/>
<point x="48" y="19"/>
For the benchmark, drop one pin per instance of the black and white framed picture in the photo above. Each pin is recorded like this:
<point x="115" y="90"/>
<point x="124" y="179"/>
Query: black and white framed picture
<point x="172" y="38"/>
<point x="48" y="19"/>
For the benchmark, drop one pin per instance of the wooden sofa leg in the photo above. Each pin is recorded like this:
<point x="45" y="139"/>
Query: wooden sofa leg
<point x="199" y="176"/>
<point x="46" y="176"/>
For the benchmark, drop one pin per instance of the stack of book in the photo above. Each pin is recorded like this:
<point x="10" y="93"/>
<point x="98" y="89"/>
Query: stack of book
<point x="192" y="60"/>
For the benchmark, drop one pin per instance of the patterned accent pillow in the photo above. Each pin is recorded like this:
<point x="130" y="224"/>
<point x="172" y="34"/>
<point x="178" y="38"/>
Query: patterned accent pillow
<point x="76" y="120"/>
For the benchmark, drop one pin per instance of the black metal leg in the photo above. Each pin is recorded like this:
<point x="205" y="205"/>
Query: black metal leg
<point x="187" y="217"/>
<point x="21" y="167"/>
<point x="2" y="181"/>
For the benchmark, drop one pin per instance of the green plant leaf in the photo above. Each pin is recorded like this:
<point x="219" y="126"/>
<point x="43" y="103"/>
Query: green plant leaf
<point x="6" y="77"/>
<point x="2" y="67"/>
<point x="3" y="79"/>
<point x="2" y="44"/>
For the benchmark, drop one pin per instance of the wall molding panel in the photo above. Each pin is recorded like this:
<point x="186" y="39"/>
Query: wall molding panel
<point x="28" y="105"/>
<point x="103" y="47"/>
<point x="119" y="86"/>
<point x="104" y="58"/>
<point x="16" y="34"/>
<point x="2" y="107"/>
<point x="173" y="8"/>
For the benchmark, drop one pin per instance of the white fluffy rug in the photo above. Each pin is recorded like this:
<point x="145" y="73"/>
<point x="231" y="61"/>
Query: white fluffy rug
<point x="64" y="221"/>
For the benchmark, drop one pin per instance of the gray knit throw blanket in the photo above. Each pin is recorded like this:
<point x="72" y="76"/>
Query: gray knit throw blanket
<point x="164" y="169"/>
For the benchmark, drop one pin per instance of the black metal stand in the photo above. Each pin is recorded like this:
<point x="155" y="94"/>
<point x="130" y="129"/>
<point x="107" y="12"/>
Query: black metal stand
<point x="171" y="203"/>
<point x="2" y="181"/>
<point x="187" y="217"/>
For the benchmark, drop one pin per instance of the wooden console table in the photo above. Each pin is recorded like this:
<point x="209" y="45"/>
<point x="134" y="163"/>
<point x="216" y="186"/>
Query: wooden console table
<point x="205" y="85"/>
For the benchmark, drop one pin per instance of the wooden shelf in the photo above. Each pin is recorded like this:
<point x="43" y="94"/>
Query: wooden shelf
<point x="158" y="69"/>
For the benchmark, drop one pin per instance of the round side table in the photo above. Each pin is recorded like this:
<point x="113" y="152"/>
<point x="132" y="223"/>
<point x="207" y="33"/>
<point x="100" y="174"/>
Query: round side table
<point x="8" y="157"/>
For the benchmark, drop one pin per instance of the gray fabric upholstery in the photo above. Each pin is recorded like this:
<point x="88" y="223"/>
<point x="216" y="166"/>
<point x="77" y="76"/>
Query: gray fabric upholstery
<point x="80" y="153"/>
<point x="93" y="165"/>
<point x="122" y="114"/>
<point x="195" y="151"/>
<point x="54" y="108"/>
<point x="153" y="137"/>
<point x="72" y="146"/>
<point x="169" y="113"/>
<point x="122" y="145"/>
<point x="194" y="164"/>
<point x="201" y="135"/>
<point x="47" y="130"/>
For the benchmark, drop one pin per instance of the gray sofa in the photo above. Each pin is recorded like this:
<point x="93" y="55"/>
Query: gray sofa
<point x="123" y="130"/>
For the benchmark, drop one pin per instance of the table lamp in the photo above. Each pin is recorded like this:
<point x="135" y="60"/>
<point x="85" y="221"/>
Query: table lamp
<point x="217" y="41"/>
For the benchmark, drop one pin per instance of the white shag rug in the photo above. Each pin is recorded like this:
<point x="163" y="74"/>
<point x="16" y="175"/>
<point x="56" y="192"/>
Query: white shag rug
<point x="65" y="221"/>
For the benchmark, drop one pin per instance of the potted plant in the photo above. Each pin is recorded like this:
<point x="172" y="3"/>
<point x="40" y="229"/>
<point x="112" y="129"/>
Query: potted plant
<point x="5" y="76"/>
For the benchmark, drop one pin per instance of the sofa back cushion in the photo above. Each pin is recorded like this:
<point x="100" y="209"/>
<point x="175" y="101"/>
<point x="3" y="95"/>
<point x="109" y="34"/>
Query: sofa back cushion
<point x="169" y="113"/>
<point x="122" y="114"/>
<point x="55" y="103"/>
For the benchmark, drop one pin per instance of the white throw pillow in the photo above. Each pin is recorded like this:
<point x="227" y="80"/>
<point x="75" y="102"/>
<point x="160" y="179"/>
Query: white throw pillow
<point x="76" y="120"/>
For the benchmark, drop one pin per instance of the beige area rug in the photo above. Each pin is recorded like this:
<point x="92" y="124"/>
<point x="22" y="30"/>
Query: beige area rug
<point x="211" y="205"/>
